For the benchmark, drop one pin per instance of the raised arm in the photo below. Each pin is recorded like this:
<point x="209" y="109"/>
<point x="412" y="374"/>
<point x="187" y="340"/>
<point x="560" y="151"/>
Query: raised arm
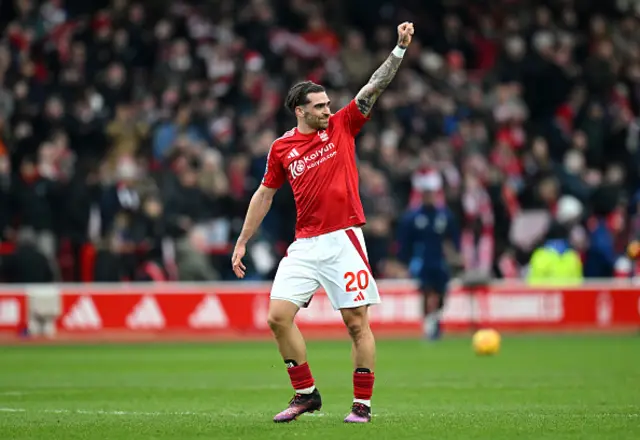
<point x="381" y="78"/>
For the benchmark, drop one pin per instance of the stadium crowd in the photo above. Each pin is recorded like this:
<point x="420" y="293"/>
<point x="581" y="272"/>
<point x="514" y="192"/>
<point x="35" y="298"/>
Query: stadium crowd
<point x="142" y="128"/>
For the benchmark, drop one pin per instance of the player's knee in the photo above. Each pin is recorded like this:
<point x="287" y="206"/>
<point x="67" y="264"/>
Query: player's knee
<point x="278" y="321"/>
<point x="356" y="322"/>
<point x="356" y="329"/>
<point x="281" y="315"/>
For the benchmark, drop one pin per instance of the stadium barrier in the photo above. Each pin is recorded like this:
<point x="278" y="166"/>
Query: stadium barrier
<point x="240" y="308"/>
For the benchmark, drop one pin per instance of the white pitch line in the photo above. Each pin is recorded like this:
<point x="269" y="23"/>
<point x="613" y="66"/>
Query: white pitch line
<point x="28" y="392"/>
<point x="56" y="390"/>
<point x="36" y="391"/>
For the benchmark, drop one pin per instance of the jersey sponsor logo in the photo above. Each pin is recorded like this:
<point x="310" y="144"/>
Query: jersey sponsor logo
<point x="83" y="315"/>
<point x="318" y="157"/>
<point x="296" y="168"/>
<point x="320" y="152"/>
<point x="146" y="314"/>
<point x="208" y="314"/>
<point x="9" y="312"/>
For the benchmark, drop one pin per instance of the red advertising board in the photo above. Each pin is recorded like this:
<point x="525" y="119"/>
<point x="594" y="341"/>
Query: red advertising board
<point x="520" y="307"/>
<point x="242" y="308"/>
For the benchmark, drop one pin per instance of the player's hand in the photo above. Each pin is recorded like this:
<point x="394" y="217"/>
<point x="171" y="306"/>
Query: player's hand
<point x="457" y="261"/>
<point x="236" y="260"/>
<point x="453" y="257"/>
<point x="405" y="34"/>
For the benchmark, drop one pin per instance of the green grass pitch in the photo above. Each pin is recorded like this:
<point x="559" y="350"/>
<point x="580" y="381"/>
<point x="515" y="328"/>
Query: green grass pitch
<point x="538" y="387"/>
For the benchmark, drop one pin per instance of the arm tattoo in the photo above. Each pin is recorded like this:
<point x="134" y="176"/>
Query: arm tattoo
<point x="381" y="78"/>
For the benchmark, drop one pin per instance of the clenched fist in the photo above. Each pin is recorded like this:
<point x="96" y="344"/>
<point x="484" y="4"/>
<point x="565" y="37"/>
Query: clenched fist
<point x="405" y="34"/>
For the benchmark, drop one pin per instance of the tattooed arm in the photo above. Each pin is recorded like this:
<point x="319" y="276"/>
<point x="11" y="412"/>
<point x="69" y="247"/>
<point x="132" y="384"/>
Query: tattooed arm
<point x="381" y="78"/>
<point x="369" y="94"/>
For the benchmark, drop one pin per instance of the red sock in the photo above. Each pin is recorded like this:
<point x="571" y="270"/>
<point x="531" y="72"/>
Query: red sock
<point x="301" y="377"/>
<point x="363" y="385"/>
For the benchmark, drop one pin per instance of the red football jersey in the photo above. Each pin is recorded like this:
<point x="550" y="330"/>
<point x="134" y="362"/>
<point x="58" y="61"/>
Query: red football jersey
<point x="321" y="168"/>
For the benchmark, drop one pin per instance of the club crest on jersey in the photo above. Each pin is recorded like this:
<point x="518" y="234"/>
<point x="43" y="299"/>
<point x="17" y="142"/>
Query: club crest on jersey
<point x="324" y="137"/>
<point x="440" y="224"/>
<point x="296" y="168"/>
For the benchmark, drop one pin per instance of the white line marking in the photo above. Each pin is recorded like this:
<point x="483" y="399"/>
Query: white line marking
<point x="52" y="390"/>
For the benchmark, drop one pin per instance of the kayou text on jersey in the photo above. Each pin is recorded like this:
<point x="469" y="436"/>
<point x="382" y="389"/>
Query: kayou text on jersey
<point x="319" y="156"/>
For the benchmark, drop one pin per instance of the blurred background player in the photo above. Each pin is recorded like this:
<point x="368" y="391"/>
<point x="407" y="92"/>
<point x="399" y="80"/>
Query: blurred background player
<point x="318" y="159"/>
<point x="429" y="244"/>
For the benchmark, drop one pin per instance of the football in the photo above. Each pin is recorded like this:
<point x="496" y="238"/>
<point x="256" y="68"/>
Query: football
<point x="486" y="342"/>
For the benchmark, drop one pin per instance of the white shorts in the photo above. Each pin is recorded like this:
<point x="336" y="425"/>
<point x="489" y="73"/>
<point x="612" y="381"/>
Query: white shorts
<point x="337" y="261"/>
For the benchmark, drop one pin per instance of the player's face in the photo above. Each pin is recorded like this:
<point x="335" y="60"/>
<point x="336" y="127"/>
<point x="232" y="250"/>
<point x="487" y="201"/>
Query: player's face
<point x="429" y="197"/>
<point x="316" y="113"/>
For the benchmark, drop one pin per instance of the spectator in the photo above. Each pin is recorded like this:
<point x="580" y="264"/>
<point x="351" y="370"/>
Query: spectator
<point x="186" y="207"/>
<point x="126" y="133"/>
<point x="27" y="265"/>
<point x="36" y="193"/>
<point x="175" y="104"/>
<point x="558" y="260"/>
<point x="168" y="133"/>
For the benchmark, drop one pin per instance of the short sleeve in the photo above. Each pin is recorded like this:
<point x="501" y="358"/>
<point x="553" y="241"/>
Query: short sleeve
<point x="351" y="118"/>
<point x="274" y="175"/>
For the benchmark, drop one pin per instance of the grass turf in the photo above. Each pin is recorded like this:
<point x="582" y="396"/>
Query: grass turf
<point x="546" y="387"/>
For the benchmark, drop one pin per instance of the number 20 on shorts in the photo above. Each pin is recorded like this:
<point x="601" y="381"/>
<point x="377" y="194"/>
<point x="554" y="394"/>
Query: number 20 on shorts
<point x="360" y="279"/>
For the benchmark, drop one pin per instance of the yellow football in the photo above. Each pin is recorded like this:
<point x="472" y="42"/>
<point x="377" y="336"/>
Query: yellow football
<point x="486" y="342"/>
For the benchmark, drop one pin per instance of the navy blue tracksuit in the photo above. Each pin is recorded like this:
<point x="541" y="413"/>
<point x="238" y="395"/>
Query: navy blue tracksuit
<point x="601" y="256"/>
<point x="422" y="233"/>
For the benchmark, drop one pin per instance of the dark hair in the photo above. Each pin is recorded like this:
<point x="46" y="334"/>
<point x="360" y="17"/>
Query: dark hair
<point x="298" y="94"/>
